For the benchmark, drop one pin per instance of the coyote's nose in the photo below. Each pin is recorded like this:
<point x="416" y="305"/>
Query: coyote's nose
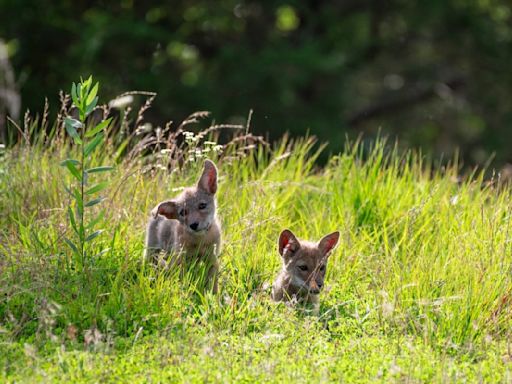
<point x="314" y="288"/>
<point x="194" y="226"/>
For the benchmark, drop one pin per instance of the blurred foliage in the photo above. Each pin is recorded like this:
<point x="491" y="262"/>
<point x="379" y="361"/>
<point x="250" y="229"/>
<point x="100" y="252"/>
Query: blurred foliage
<point x="434" y="73"/>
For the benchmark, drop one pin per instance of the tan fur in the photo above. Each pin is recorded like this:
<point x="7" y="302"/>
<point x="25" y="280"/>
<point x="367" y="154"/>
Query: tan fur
<point x="304" y="265"/>
<point x="186" y="228"/>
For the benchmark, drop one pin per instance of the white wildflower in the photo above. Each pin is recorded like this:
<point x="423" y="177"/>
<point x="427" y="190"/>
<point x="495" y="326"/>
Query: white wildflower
<point x="121" y="102"/>
<point x="144" y="128"/>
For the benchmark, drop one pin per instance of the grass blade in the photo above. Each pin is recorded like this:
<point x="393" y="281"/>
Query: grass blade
<point x="96" y="220"/>
<point x="120" y="149"/>
<point x="67" y="189"/>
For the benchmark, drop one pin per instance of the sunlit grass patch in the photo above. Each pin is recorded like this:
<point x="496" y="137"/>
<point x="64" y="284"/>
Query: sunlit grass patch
<point x="418" y="289"/>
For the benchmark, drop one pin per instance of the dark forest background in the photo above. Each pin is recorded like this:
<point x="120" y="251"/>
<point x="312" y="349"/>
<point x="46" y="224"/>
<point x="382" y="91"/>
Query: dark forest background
<point x="435" y="74"/>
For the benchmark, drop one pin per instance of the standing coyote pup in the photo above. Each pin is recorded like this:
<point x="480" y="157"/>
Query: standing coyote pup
<point x="186" y="227"/>
<point x="304" y="263"/>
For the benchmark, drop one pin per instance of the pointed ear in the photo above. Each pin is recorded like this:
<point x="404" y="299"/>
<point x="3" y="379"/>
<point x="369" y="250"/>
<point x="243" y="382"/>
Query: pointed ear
<point x="288" y="242"/>
<point x="329" y="242"/>
<point x="208" y="180"/>
<point x="169" y="209"/>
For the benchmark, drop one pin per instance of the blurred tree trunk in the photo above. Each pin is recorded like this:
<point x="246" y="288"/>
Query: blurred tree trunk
<point x="10" y="101"/>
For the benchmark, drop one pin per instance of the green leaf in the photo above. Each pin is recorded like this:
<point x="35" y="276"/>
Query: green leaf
<point x="94" y="235"/>
<point x="104" y="168"/>
<point x="74" y="95"/>
<point x="77" y="124"/>
<point x="93" y="144"/>
<point x="100" y="127"/>
<point x="79" y="211"/>
<point x="72" y="245"/>
<point x="85" y="86"/>
<point x="95" y="201"/>
<point x="92" y="95"/>
<point x="71" y="126"/>
<point x="71" y="216"/>
<point x="90" y="107"/>
<point x="74" y="171"/>
<point x="98" y="187"/>
<point x="79" y="200"/>
<point x="79" y="95"/>
<point x="102" y="252"/>
<point x="64" y="162"/>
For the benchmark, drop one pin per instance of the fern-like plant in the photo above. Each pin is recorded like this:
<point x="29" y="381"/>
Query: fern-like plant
<point x="84" y="189"/>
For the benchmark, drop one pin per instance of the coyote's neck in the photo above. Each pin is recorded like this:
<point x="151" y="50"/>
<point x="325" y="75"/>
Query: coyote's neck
<point x="286" y="288"/>
<point x="201" y="243"/>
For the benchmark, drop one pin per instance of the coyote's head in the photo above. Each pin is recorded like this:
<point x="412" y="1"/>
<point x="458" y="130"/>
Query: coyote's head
<point x="305" y="262"/>
<point x="194" y="208"/>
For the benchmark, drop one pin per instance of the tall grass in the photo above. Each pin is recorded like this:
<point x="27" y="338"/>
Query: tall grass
<point x="419" y="288"/>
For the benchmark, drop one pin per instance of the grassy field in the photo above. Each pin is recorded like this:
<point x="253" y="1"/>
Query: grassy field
<point x="419" y="289"/>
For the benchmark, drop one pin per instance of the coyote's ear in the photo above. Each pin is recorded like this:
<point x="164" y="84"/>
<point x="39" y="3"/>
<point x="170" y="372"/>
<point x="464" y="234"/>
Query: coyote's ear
<point x="167" y="208"/>
<point x="208" y="180"/>
<point x="288" y="243"/>
<point x="327" y="244"/>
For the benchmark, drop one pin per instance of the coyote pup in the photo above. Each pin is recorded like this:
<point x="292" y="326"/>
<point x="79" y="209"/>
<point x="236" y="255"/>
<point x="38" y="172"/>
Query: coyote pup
<point x="186" y="227"/>
<point x="303" y="273"/>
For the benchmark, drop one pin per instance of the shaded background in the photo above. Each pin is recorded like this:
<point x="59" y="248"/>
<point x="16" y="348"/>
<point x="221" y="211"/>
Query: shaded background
<point x="436" y="74"/>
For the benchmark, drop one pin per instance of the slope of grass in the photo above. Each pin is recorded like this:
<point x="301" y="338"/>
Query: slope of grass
<point x="418" y="289"/>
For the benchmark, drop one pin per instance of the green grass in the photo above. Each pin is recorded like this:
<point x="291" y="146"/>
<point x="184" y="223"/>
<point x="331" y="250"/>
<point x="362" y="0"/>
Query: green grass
<point x="419" y="289"/>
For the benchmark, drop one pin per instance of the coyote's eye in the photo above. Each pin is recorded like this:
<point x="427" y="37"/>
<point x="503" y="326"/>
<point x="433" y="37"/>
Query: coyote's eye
<point x="202" y="206"/>
<point x="303" y="267"/>
<point x="182" y="212"/>
<point x="322" y="268"/>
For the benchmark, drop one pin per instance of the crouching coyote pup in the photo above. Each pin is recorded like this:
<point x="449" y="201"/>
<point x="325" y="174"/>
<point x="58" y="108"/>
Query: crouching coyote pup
<point x="302" y="276"/>
<point x="186" y="228"/>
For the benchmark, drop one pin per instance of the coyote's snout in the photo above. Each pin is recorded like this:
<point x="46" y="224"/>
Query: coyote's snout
<point x="304" y="266"/>
<point x="187" y="226"/>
